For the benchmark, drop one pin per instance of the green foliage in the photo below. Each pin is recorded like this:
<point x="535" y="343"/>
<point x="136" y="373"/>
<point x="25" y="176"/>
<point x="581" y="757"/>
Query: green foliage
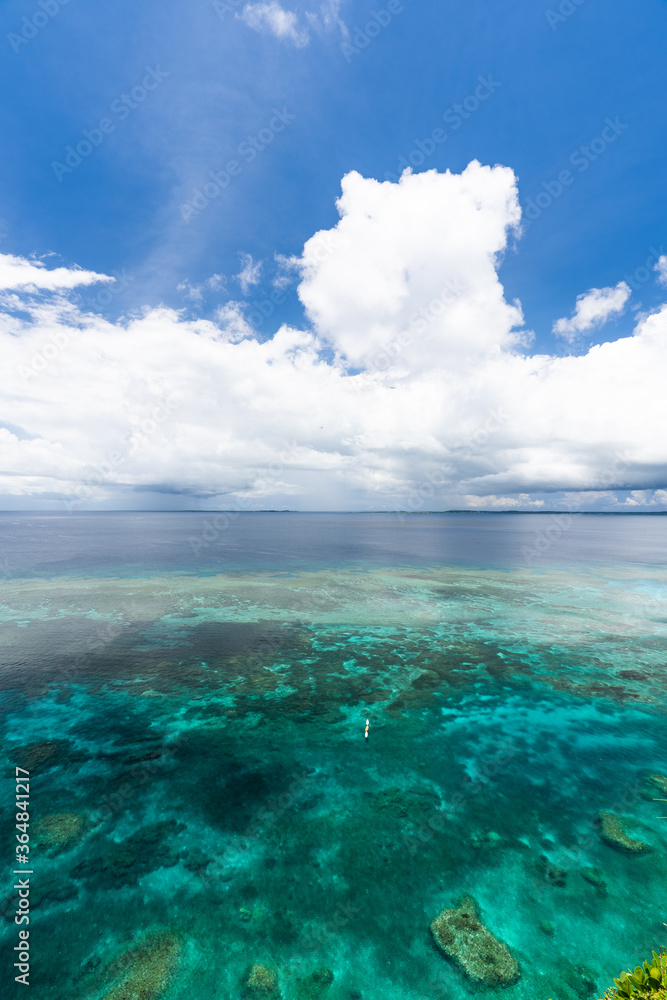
<point x="649" y="979"/>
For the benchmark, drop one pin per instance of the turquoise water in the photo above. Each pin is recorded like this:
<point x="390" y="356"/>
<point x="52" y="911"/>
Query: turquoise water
<point x="204" y="726"/>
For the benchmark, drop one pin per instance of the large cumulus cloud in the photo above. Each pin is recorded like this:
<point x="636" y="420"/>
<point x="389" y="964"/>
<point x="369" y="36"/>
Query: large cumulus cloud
<point x="417" y="257"/>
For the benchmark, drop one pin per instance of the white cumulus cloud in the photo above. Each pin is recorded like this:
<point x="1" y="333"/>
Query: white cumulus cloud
<point x="522" y="502"/>
<point x="273" y="18"/>
<point x="250" y="272"/>
<point x="234" y="326"/>
<point x="646" y="498"/>
<point x="327" y="17"/>
<point x="661" y="268"/>
<point x="593" y="309"/>
<point x="410" y="269"/>
<point x="30" y="275"/>
<point x="196" y="292"/>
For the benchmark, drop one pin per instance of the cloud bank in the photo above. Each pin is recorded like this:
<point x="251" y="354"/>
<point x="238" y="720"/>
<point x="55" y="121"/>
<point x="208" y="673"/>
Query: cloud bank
<point x="413" y="378"/>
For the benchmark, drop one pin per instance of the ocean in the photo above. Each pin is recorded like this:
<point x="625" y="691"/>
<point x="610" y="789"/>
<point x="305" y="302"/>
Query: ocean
<point x="187" y="695"/>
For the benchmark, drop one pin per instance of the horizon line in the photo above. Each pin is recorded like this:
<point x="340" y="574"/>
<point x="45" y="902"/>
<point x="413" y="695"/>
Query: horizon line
<point x="268" y="510"/>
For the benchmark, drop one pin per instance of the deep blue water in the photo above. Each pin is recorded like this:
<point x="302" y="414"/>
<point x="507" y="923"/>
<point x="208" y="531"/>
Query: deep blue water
<point x="123" y="543"/>
<point x="190" y="697"/>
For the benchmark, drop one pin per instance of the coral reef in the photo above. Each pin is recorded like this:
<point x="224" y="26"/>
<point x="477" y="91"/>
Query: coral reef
<point x="613" y="833"/>
<point x="261" y="982"/>
<point x="460" y="934"/>
<point x="58" y="831"/>
<point x="144" y="971"/>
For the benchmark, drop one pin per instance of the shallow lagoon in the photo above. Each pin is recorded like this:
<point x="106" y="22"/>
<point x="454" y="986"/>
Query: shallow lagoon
<point x="201" y="710"/>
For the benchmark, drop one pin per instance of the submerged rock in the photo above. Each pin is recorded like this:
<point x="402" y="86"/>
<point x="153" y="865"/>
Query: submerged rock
<point x="547" y="928"/>
<point x="488" y="839"/>
<point x="144" y="971"/>
<point x="51" y="890"/>
<point x="394" y="801"/>
<point x="315" y="986"/>
<point x="463" y="938"/>
<point x="596" y="878"/>
<point x="58" y="831"/>
<point x="33" y="756"/>
<point x="613" y="833"/>
<point x="654" y="787"/>
<point x="197" y="862"/>
<point x="262" y="982"/>
<point x="48" y="890"/>
<point x="126" y="861"/>
<point x="580" y="980"/>
<point x="552" y="873"/>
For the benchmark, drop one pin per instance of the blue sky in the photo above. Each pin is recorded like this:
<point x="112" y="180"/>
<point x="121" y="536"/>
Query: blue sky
<point x="119" y="209"/>
<point x="220" y="75"/>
